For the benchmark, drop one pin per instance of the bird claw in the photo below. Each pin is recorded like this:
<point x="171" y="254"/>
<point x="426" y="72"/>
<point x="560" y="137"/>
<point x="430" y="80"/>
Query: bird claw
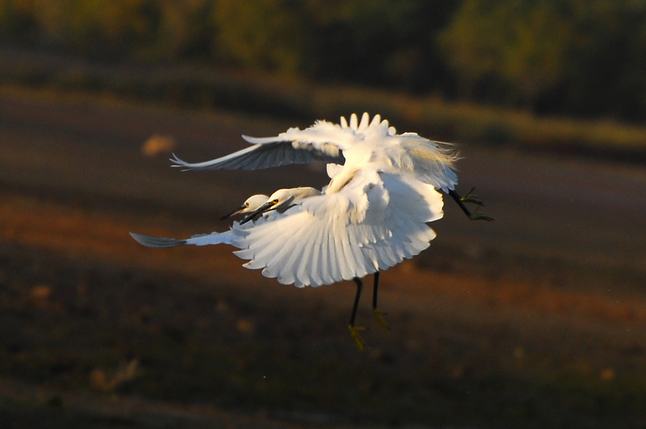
<point x="356" y="336"/>
<point x="472" y="198"/>
<point x="380" y="318"/>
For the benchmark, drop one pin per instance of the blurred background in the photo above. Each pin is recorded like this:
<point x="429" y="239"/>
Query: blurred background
<point x="535" y="320"/>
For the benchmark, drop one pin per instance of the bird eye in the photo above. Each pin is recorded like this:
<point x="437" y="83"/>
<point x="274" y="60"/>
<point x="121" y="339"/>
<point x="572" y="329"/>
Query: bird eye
<point x="275" y="201"/>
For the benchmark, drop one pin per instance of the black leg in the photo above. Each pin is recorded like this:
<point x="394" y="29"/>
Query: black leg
<point x="458" y="199"/>
<point x="354" y="330"/>
<point x="379" y="316"/>
<point x="375" y="292"/>
<point x="357" y="296"/>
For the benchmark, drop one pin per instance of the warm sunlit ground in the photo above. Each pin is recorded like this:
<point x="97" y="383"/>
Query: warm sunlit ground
<point x="536" y="320"/>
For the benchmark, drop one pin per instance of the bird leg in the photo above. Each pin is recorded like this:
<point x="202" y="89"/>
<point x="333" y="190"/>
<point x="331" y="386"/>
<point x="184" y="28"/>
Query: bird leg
<point x="469" y="198"/>
<point x="379" y="315"/>
<point x="355" y="330"/>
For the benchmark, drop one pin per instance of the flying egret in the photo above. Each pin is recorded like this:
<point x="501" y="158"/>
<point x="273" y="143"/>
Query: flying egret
<point x="384" y="189"/>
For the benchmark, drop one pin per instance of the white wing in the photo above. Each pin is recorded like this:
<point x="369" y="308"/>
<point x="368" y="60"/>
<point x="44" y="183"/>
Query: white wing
<point x="196" y="240"/>
<point x="260" y="156"/>
<point x="373" y="223"/>
<point x="430" y="161"/>
<point x="323" y="141"/>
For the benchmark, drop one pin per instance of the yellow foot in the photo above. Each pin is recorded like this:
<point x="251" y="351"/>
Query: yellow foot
<point x="381" y="319"/>
<point x="356" y="336"/>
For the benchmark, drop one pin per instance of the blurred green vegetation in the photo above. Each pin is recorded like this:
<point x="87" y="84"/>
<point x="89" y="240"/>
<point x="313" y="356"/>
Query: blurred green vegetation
<point x="203" y="87"/>
<point x="574" y="57"/>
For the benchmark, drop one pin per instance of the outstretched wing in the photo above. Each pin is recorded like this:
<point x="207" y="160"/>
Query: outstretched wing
<point x="195" y="240"/>
<point x="373" y="223"/>
<point x="323" y="141"/>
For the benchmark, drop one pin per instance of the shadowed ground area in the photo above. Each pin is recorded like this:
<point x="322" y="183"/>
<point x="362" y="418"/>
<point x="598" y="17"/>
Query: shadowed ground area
<point x="535" y="320"/>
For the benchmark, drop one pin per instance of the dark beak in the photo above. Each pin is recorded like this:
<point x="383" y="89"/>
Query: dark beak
<point x="233" y="213"/>
<point x="255" y="215"/>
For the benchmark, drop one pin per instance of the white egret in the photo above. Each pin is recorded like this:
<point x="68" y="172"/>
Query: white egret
<point x="249" y="205"/>
<point x="372" y="215"/>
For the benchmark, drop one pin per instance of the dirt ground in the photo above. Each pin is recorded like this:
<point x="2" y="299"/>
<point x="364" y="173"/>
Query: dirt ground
<point x="535" y="320"/>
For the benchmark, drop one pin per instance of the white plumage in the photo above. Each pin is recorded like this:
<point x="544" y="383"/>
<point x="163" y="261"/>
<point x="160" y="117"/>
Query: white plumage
<point x="372" y="214"/>
<point x="355" y="145"/>
<point x="372" y="223"/>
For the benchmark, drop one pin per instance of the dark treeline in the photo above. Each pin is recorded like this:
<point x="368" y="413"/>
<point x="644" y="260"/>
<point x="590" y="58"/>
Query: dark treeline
<point x="575" y="57"/>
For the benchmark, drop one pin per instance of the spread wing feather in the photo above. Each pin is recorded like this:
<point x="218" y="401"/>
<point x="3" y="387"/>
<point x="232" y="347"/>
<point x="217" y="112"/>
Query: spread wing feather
<point x="430" y="161"/>
<point x="375" y="222"/>
<point x="260" y="156"/>
<point x="323" y="141"/>
<point x="226" y="237"/>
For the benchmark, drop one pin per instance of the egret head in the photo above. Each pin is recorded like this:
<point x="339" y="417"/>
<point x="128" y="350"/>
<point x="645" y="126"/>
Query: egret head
<point x="250" y="205"/>
<point x="283" y="199"/>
